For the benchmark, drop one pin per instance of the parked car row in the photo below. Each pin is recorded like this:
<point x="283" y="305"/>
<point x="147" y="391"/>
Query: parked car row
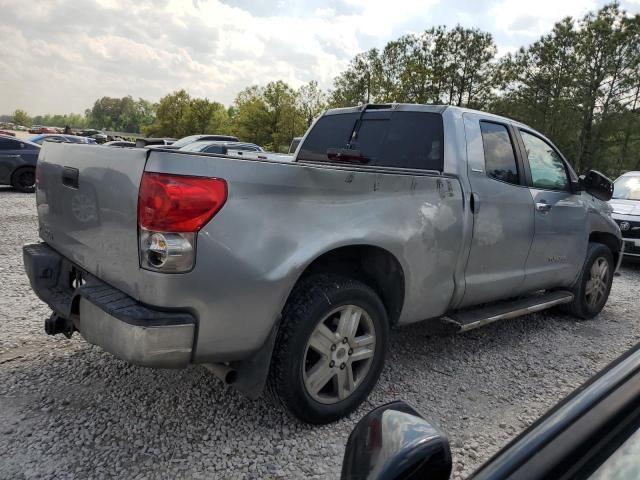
<point x="18" y="163"/>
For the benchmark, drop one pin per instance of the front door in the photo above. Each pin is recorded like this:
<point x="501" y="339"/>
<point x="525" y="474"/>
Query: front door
<point x="502" y="212"/>
<point x="561" y="218"/>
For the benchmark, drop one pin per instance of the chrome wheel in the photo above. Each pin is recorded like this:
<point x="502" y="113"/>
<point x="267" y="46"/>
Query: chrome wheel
<point x="339" y="354"/>
<point x="596" y="287"/>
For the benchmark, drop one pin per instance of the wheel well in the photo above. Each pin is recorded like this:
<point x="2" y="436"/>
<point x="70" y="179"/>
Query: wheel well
<point x="609" y="240"/>
<point x="374" y="266"/>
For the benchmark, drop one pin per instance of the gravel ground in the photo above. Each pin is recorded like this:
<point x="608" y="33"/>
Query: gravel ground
<point x="69" y="410"/>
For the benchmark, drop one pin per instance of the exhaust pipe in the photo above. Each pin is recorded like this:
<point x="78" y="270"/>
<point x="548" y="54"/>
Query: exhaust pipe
<point x="224" y="372"/>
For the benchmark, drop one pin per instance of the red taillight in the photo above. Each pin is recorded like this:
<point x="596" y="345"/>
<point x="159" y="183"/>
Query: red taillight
<point x="176" y="203"/>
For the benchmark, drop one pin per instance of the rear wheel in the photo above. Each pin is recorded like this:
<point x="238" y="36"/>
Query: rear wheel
<point x="330" y="348"/>
<point x="592" y="287"/>
<point x="24" y="179"/>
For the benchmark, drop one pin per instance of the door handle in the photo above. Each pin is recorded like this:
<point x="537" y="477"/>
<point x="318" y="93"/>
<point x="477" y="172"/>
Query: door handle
<point x="543" y="206"/>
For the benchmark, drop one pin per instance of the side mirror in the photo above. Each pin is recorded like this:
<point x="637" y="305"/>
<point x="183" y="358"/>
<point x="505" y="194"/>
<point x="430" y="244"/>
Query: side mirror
<point x="396" y="442"/>
<point x="598" y="185"/>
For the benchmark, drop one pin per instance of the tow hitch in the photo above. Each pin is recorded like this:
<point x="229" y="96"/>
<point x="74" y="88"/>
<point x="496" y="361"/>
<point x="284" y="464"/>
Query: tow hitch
<point x="56" y="324"/>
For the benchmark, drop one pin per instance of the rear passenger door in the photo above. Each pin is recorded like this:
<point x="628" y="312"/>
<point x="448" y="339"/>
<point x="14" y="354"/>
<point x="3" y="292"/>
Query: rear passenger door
<point x="502" y="209"/>
<point x="561" y="217"/>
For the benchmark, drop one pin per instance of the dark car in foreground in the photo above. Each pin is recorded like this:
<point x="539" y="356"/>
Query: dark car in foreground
<point x="18" y="163"/>
<point x="61" y="138"/>
<point x="594" y="433"/>
<point x="625" y="204"/>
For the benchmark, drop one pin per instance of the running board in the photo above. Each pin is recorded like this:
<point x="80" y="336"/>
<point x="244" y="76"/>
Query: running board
<point x="470" y="319"/>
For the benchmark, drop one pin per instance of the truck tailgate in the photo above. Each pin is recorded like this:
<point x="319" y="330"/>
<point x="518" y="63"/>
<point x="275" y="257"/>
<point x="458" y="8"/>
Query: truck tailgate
<point x="87" y="206"/>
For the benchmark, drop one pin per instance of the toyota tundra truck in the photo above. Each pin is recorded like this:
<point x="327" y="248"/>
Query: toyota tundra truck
<point x="288" y="276"/>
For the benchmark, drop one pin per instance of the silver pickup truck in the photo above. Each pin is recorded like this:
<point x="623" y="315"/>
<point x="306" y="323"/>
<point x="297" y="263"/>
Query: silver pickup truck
<point x="290" y="274"/>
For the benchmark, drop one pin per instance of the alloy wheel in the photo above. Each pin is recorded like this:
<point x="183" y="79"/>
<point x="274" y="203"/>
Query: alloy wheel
<point x="339" y="354"/>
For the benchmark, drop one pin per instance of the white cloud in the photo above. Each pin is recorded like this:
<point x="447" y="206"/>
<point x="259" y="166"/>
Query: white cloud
<point x="532" y="19"/>
<point x="210" y="48"/>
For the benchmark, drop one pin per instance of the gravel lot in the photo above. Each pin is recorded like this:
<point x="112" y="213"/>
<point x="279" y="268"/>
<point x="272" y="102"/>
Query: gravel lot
<point x="69" y="410"/>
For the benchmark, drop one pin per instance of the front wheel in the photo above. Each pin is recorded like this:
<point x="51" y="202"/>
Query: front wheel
<point x="592" y="287"/>
<point x="330" y="348"/>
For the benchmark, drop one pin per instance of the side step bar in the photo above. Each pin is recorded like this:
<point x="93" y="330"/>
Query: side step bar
<point x="470" y="319"/>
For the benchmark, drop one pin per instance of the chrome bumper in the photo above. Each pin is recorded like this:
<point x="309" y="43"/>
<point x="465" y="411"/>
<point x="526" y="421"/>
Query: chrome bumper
<point x="167" y="346"/>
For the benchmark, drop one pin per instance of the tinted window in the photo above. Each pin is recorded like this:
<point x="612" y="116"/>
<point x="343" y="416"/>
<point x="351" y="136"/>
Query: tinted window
<point x="385" y="138"/>
<point x="6" y="144"/>
<point x="215" y="149"/>
<point x="547" y="168"/>
<point x="499" y="156"/>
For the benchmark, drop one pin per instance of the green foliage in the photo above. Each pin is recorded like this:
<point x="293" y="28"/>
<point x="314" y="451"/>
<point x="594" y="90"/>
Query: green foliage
<point x="579" y="85"/>
<point x="171" y="113"/>
<point x="20" y="117"/>
<point x="437" y="66"/>
<point x="119" y="114"/>
<point x="271" y="116"/>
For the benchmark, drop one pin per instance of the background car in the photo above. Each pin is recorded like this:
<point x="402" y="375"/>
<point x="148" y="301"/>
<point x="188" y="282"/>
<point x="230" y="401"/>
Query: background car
<point x="199" y="138"/>
<point x="120" y="143"/>
<point x="626" y="211"/>
<point x="7" y="132"/>
<point x="61" y="138"/>
<point x="18" y="163"/>
<point x="220" y="147"/>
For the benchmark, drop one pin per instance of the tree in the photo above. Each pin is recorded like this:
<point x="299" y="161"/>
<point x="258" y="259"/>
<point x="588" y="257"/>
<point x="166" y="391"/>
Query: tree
<point x="171" y="111"/>
<point x="359" y="83"/>
<point x="437" y="66"/>
<point x="311" y="101"/>
<point x="20" y="117"/>
<point x="204" y="116"/>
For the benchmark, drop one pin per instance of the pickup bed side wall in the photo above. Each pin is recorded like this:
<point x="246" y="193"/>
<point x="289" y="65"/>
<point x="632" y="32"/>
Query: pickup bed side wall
<point x="279" y="218"/>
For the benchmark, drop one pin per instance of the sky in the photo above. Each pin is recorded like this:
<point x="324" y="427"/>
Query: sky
<point x="59" y="56"/>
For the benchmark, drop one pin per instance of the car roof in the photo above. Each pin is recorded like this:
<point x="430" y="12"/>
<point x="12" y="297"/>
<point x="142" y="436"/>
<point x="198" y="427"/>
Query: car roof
<point x="64" y="135"/>
<point x="22" y="140"/>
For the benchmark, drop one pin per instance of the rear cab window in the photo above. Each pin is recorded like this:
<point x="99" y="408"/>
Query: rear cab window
<point x="399" y="139"/>
<point x="499" y="153"/>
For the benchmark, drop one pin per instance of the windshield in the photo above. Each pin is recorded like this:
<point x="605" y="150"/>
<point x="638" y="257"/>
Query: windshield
<point x="186" y="140"/>
<point x="627" y="188"/>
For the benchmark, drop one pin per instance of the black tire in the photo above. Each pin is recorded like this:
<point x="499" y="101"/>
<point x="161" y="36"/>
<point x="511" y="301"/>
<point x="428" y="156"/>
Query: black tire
<point x="24" y="179"/>
<point x="581" y="307"/>
<point x="311" y="303"/>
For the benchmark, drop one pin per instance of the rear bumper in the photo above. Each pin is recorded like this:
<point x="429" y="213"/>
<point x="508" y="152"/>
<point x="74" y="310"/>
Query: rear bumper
<point x="107" y="317"/>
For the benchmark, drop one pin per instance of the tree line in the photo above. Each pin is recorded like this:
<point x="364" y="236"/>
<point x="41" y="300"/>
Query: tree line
<point x="579" y="85"/>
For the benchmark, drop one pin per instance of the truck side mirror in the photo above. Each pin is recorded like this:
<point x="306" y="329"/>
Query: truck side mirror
<point x="598" y="185"/>
<point x="396" y="442"/>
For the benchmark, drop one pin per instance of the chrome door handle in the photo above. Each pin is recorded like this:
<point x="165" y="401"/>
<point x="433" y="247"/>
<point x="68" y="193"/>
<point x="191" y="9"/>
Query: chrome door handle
<point x="543" y="206"/>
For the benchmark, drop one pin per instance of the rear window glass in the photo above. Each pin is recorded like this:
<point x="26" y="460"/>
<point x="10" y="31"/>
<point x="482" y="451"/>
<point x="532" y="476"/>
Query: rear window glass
<point x="385" y="138"/>
<point x="6" y="144"/>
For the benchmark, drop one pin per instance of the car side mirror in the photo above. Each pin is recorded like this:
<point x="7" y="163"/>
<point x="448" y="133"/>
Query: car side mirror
<point x="396" y="442"/>
<point x="598" y="185"/>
